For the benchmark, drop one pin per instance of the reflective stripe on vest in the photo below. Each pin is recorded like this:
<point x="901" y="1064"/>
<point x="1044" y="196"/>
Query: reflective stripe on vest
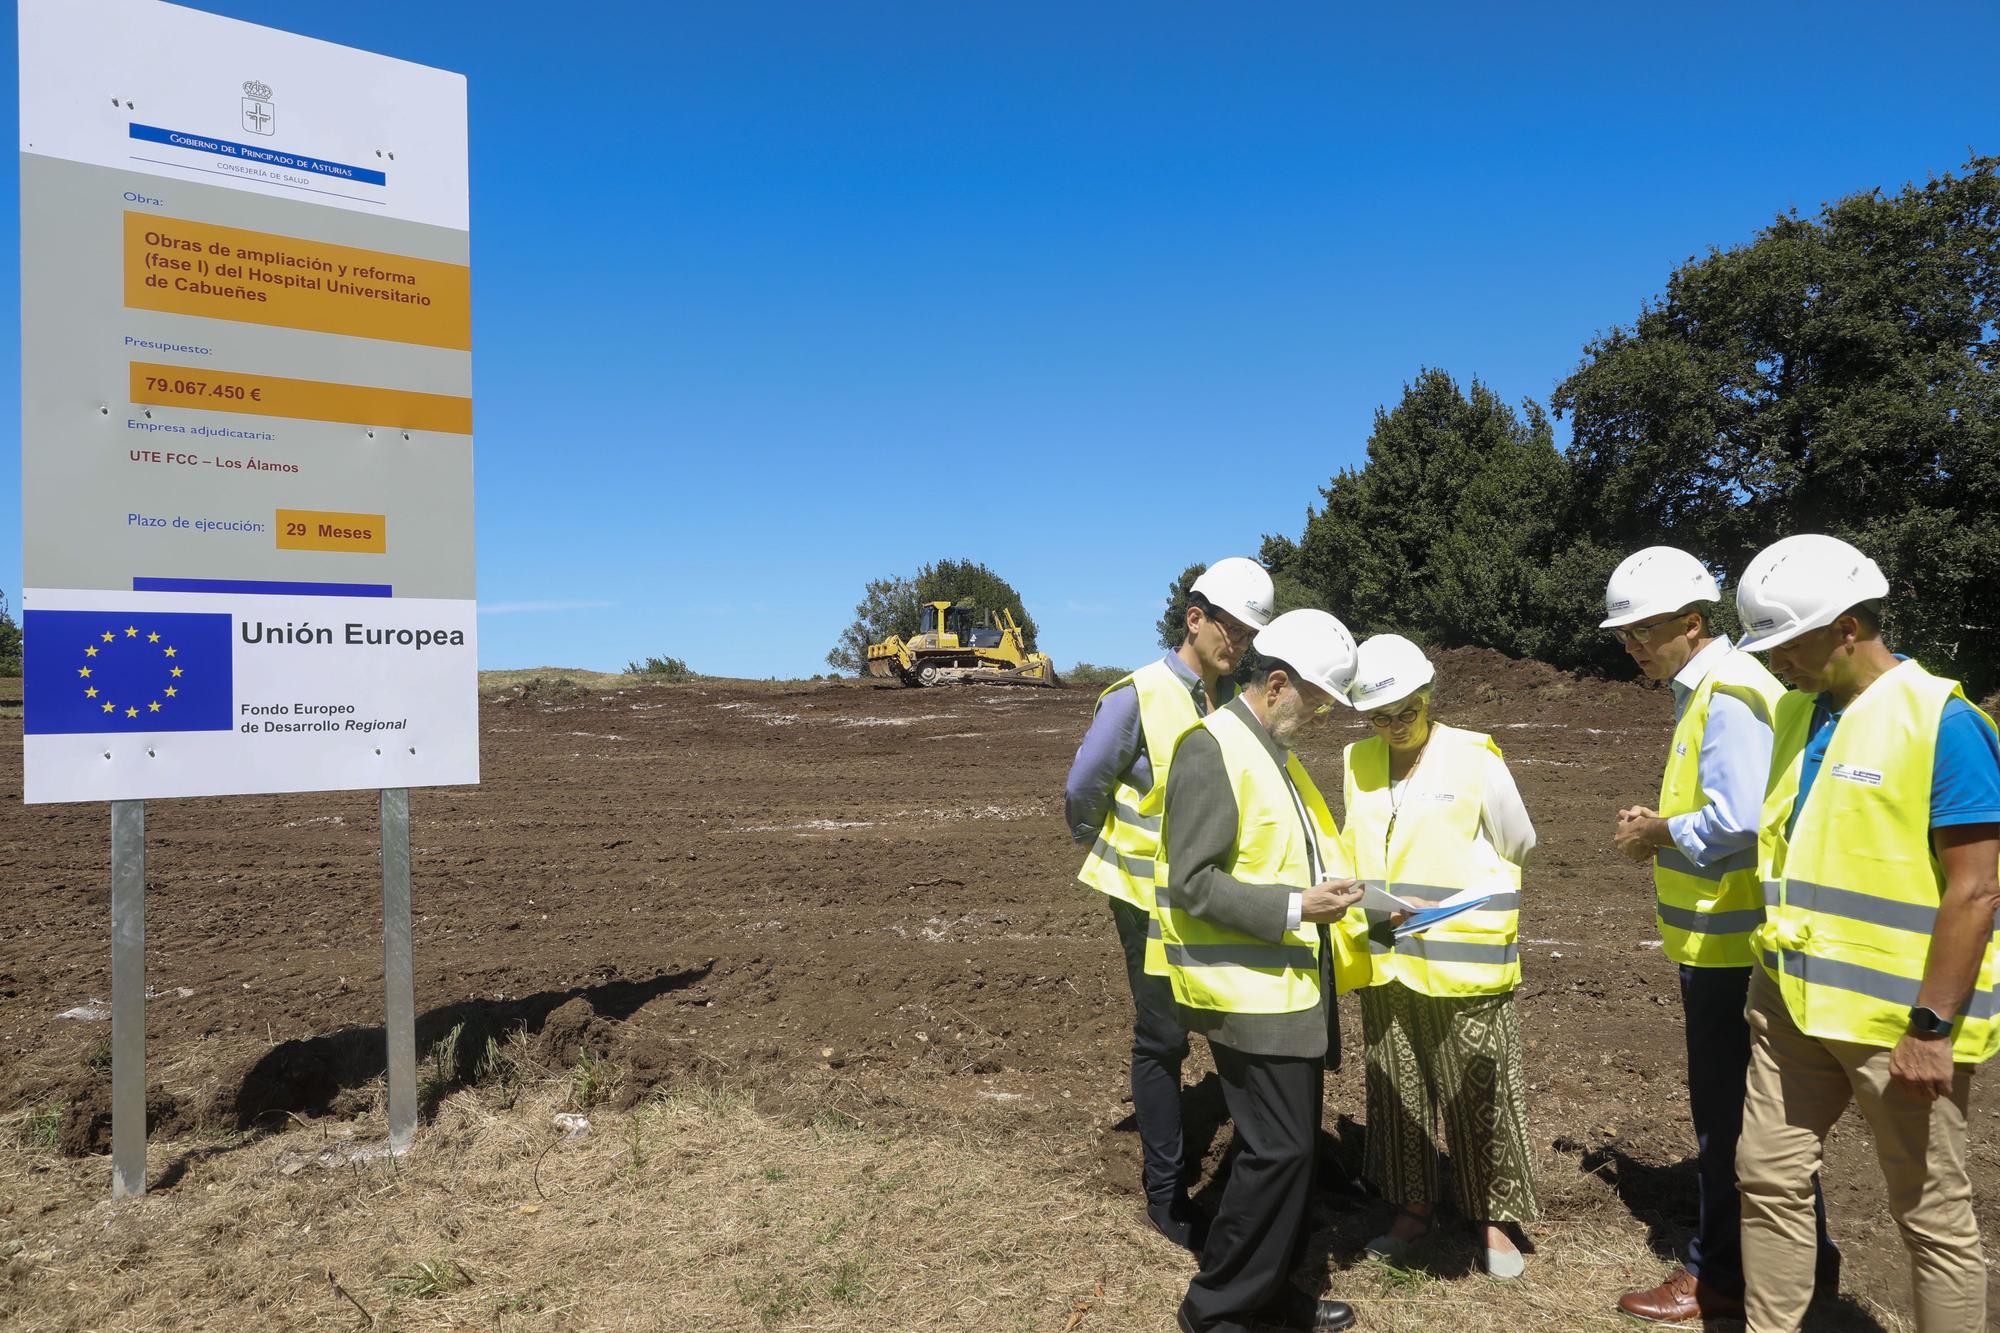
<point x="1851" y="896"/>
<point x="1887" y="987"/>
<point x="1120" y="862"/>
<point x="1212" y="966"/>
<point x="1427" y="849"/>
<point x="1706" y="913"/>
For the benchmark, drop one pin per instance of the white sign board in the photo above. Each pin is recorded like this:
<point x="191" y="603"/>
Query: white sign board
<point x="246" y="411"/>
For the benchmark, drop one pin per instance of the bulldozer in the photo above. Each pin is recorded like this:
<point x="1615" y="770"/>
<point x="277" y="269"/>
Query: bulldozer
<point x="962" y="646"/>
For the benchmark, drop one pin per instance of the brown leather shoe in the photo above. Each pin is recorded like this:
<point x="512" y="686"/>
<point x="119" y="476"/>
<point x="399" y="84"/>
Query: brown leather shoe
<point x="1682" y="1298"/>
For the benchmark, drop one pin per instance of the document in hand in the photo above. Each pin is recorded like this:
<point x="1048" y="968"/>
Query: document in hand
<point x="1376" y="898"/>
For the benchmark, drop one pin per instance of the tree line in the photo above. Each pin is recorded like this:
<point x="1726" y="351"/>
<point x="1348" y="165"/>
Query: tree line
<point x="1836" y="374"/>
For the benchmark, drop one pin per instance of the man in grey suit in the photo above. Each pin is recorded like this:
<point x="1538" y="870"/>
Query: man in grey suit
<point x="1253" y="876"/>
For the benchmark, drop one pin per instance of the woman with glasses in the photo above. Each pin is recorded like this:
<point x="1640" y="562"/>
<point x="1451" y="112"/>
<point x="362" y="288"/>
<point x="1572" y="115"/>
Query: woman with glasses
<point x="1433" y="814"/>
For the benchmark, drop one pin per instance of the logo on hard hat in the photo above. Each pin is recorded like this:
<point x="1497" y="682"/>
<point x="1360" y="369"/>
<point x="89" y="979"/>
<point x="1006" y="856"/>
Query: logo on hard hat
<point x="1381" y="684"/>
<point x="1621" y="604"/>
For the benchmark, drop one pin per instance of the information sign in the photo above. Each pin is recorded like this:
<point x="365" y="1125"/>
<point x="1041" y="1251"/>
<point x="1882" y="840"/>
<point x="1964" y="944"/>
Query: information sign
<point x="246" y="410"/>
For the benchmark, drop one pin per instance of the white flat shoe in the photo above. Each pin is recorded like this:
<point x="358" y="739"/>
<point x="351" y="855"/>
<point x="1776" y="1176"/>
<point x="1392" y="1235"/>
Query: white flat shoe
<point x="1505" y="1265"/>
<point x="1391" y="1248"/>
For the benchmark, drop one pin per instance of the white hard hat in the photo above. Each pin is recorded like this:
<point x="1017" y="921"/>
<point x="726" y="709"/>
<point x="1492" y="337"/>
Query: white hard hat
<point x="1389" y="669"/>
<point x="1315" y="645"/>
<point x="1800" y="584"/>
<point x="1239" y="586"/>
<point x="1657" y="581"/>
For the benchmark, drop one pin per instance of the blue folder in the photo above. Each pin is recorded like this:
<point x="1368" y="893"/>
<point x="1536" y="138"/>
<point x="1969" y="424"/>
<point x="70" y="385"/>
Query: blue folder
<point x="1423" y="921"/>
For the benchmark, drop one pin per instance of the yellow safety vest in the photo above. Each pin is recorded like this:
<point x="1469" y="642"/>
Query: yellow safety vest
<point x="1214" y="967"/>
<point x="1120" y="862"/>
<point x="1428" y="849"/>
<point x="1851" y="897"/>
<point x="1706" y="913"/>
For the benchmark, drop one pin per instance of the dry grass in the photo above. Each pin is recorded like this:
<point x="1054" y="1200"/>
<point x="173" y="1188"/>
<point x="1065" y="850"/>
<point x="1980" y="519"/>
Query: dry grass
<point x="694" y="1211"/>
<point x="494" y="682"/>
<point x="498" y="682"/>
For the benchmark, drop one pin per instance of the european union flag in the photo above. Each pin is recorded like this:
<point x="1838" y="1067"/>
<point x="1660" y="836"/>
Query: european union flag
<point x="126" y="671"/>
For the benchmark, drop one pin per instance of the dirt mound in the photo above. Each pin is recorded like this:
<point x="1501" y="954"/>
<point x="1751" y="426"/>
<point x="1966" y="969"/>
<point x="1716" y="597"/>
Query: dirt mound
<point x="86" y="1119"/>
<point x="545" y="689"/>
<point x="1485" y="677"/>
<point x="570" y="1031"/>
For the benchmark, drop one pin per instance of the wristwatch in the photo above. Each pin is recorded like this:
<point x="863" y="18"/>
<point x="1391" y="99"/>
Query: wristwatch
<point x="1925" y="1023"/>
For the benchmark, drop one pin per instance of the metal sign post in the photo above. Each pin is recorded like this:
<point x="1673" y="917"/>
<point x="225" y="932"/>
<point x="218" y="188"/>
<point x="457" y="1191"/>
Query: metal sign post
<point x="128" y="999"/>
<point x="398" y="973"/>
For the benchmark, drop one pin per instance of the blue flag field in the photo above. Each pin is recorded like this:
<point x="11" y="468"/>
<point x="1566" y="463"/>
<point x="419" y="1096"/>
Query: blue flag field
<point x="126" y="671"/>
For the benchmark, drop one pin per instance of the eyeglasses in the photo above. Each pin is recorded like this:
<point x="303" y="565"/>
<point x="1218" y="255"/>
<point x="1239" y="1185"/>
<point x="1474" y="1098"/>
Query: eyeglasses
<point x="1635" y="633"/>
<point x="1232" y="629"/>
<point x="1402" y="719"/>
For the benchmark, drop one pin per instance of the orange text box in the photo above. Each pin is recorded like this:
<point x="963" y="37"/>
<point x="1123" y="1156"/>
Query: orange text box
<point x="320" y="530"/>
<point x="304" y="400"/>
<point x="257" y="277"/>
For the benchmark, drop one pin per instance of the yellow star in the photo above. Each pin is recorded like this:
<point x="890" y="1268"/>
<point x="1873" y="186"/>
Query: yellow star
<point x="90" y="651"/>
<point x="153" y="707"/>
<point x="107" y="636"/>
<point x="171" y="691"/>
<point x="108" y="707"/>
<point x="131" y="712"/>
<point x="177" y="671"/>
<point x="90" y="693"/>
<point x="170" y="651"/>
<point x="83" y="671"/>
<point x="152" y="638"/>
<point x="131" y="632"/>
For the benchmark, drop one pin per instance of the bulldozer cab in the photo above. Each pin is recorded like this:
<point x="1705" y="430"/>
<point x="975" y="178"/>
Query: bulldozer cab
<point x="962" y="626"/>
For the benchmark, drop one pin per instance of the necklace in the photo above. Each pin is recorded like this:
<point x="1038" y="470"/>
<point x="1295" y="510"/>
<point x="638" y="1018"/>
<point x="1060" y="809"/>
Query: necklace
<point x="1396" y="800"/>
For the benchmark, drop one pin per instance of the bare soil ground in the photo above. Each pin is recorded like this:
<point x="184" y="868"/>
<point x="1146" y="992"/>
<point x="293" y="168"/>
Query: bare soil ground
<point x="830" y="931"/>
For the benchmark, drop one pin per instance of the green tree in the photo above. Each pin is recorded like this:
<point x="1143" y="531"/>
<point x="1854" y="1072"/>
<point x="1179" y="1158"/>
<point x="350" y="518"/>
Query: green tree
<point x="1445" y="533"/>
<point x="1172" y="624"/>
<point x="887" y="606"/>
<point x="1837" y="374"/>
<point x="10" y="641"/>
<point x="895" y="605"/>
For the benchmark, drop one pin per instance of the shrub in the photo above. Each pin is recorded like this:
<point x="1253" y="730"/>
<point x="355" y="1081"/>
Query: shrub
<point x="1096" y="677"/>
<point x="672" y="670"/>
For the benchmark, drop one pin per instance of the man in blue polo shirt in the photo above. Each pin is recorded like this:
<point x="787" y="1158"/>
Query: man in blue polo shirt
<point x="1879" y="982"/>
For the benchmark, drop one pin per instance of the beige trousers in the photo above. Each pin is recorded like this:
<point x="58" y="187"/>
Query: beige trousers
<point x="1799" y="1086"/>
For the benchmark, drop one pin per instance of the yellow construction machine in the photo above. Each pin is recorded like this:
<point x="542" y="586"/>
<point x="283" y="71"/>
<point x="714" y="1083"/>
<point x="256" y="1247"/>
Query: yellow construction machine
<point x="960" y="646"/>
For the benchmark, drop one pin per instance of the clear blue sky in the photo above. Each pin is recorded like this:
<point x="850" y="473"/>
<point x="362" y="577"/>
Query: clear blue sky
<point x="773" y="299"/>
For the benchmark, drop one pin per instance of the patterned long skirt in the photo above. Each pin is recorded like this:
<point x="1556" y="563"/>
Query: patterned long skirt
<point x="1454" y="1064"/>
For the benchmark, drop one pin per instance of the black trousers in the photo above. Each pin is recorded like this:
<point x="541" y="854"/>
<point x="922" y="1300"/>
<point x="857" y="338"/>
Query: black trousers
<point x="1159" y="1045"/>
<point x="1718" y="1057"/>
<point x="1258" y="1233"/>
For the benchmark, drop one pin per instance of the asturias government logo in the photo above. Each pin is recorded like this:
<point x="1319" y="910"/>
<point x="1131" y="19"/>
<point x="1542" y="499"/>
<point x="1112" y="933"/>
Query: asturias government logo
<point x="259" y="116"/>
<point x="119" y="671"/>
